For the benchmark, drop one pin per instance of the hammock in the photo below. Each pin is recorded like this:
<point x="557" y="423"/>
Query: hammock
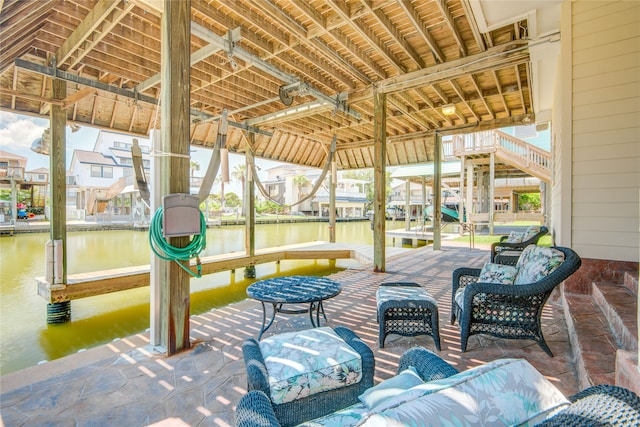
<point x="315" y="188"/>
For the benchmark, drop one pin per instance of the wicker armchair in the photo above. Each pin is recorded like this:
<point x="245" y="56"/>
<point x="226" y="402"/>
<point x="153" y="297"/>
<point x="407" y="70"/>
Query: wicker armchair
<point x="506" y="311"/>
<point x="314" y="405"/>
<point x="503" y="252"/>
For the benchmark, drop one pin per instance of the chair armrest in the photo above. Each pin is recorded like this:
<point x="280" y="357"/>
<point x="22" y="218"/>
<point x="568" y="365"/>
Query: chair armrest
<point x="601" y="405"/>
<point x="464" y="276"/>
<point x="257" y="375"/>
<point x="254" y="410"/>
<point x="429" y="365"/>
<point x="368" y="361"/>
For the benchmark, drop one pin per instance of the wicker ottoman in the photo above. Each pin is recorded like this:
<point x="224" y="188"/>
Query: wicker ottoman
<point x="407" y="309"/>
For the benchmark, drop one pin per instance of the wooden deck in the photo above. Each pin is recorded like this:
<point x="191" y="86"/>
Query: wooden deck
<point x="83" y="285"/>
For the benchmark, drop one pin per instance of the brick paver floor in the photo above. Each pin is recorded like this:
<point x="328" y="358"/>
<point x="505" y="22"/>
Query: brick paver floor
<point x="124" y="383"/>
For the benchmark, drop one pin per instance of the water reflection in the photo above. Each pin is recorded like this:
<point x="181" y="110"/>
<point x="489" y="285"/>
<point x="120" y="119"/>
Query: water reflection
<point x="25" y="337"/>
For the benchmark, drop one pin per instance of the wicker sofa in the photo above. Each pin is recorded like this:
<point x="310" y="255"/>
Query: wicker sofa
<point x="444" y="396"/>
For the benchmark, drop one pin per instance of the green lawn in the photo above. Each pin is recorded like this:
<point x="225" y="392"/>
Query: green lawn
<point x="483" y="239"/>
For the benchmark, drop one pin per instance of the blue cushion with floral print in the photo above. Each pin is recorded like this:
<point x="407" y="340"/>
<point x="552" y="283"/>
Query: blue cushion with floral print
<point x="537" y="262"/>
<point x="498" y="273"/>
<point x="303" y="363"/>
<point x="391" y="387"/>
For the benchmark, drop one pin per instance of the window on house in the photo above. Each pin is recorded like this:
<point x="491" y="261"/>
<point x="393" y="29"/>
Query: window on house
<point x="101" y="171"/>
<point x="146" y="163"/>
<point x="41" y="177"/>
<point x="127" y="172"/>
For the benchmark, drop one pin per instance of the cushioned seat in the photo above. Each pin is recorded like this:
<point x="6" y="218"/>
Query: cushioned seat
<point x="407" y="309"/>
<point x="309" y="373"/>
<point x="308" y="362"/>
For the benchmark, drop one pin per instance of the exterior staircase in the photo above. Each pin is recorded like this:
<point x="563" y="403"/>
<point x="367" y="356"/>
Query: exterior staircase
<point x="603" y="330"/>
<point x="508" y="150"/>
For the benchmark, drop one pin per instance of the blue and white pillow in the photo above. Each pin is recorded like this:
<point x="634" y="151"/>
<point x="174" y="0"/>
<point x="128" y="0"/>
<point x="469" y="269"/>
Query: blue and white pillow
<point x="498" y="273"/>
<point x="391" y="387"/>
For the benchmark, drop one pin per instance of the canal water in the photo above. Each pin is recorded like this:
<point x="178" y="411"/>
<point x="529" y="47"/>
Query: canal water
<point x="25" y="337"/>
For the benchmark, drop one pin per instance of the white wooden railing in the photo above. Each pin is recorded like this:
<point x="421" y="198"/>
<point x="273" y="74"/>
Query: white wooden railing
<point x="507" y="148"/>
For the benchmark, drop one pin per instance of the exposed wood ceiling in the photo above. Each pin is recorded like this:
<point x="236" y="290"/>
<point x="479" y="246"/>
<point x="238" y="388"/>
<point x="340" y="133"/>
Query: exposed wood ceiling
<point x="332" y="54"/>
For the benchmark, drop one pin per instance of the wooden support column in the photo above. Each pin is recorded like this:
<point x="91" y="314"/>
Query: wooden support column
<point x="333" y="184"/>
<point x="58" y="122"/>
<point x="437" y="192"/>
<point x="175" y="102"/>
<point x="250" y="200"/>
<point x="424" y="199"/>
<point x="407" y="205"/>
<point x="492" y="187"/>
<point x="59" y="312"/>
<point x="461" y="215"/>
<point x="379" y="179"/>
<point x="470" y="189"/>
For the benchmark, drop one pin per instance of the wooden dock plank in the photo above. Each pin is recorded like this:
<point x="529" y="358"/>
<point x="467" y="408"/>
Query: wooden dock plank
<point x="82" y="285"/>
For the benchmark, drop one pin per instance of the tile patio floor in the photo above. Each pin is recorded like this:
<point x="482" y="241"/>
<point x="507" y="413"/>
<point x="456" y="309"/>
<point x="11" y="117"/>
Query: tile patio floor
<point x="124" y="384"/>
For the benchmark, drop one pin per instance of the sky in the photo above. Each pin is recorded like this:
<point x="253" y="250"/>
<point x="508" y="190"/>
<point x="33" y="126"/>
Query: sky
<point x="17" y="133"/>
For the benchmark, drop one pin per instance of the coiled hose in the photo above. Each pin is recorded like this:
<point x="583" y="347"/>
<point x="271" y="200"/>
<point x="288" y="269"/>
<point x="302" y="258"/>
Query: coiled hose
<point x="164" y="250"/>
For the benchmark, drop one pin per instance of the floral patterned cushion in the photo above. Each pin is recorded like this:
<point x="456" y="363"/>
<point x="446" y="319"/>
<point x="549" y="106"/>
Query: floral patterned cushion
<point x="531" y="231"/>
<point x="391" y="387"/>
<point x="500" y="393"/>
<point x="302" y="363"/>
<point x="515" y="237"/>
<point x="498" y="273"/>
<point x="400" y="293"/>
<point x="536" y="262"/>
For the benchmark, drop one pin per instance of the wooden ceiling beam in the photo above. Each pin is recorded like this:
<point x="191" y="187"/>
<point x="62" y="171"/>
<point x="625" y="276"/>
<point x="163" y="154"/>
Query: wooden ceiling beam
<point x="496" y="58"/>
<point x="418" y="24"/>
<point x="444" y="9"/>
<point x="323" y="28"/>
<point x="460" y="92"/>
<point x="476" y="85"/>
<point x="392" y="30"/>
<point x="83" y="40"/>
<point x="473" y="25"/>
<point x="341" y="10"/>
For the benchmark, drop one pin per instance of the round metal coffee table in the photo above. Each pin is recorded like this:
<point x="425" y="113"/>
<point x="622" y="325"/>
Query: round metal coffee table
<point x="293" y="290"/>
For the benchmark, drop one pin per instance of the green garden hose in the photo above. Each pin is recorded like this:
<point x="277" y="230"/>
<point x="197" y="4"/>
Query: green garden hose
<point x="164" y="250"/>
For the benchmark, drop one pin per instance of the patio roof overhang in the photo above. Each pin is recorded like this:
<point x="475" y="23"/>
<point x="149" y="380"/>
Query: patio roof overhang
<point x="299" y="71"/>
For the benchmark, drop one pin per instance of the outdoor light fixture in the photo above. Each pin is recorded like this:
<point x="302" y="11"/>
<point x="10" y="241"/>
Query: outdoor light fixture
<point x="449" y="109"/>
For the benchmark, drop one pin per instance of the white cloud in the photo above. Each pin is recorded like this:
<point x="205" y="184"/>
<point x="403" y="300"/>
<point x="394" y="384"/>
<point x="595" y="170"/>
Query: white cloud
<point x="18" y="132"/>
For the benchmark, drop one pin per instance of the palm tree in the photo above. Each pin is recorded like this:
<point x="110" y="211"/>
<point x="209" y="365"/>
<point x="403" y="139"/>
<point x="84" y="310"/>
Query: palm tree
<point x="300" y="181"/>
<point x="195" y="166"/>
<point x="239" y="173"/>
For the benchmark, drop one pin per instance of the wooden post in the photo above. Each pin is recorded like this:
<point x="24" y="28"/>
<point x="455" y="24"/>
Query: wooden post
<point x="424" y="200"/>
<point x="250" y="218"/>
<point x="379" y="179"/>
<point x="461" y="216"/>
<point x="407" y="205"/>
<point x="437" y="191"/>
<point x="333" y="184"/>
<point x="59" y="312"/>
<point x="492" y="185"/>
<point x="470" y="189"/>
<point x="58" y="122"/>
<point x="175" y="103"/>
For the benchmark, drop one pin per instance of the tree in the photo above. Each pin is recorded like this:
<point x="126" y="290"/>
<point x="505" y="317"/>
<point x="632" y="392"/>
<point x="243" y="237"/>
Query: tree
<point x="528" y="201"/>
<point x="232" y="200"/>
<point x="300" y="181"/>
<point x="239" y="173"/>
<point x="195" y="166"/>
<point x="367" y="175"/>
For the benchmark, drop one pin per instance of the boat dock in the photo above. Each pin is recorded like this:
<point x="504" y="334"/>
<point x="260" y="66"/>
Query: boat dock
<point x="83" y="285"/>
